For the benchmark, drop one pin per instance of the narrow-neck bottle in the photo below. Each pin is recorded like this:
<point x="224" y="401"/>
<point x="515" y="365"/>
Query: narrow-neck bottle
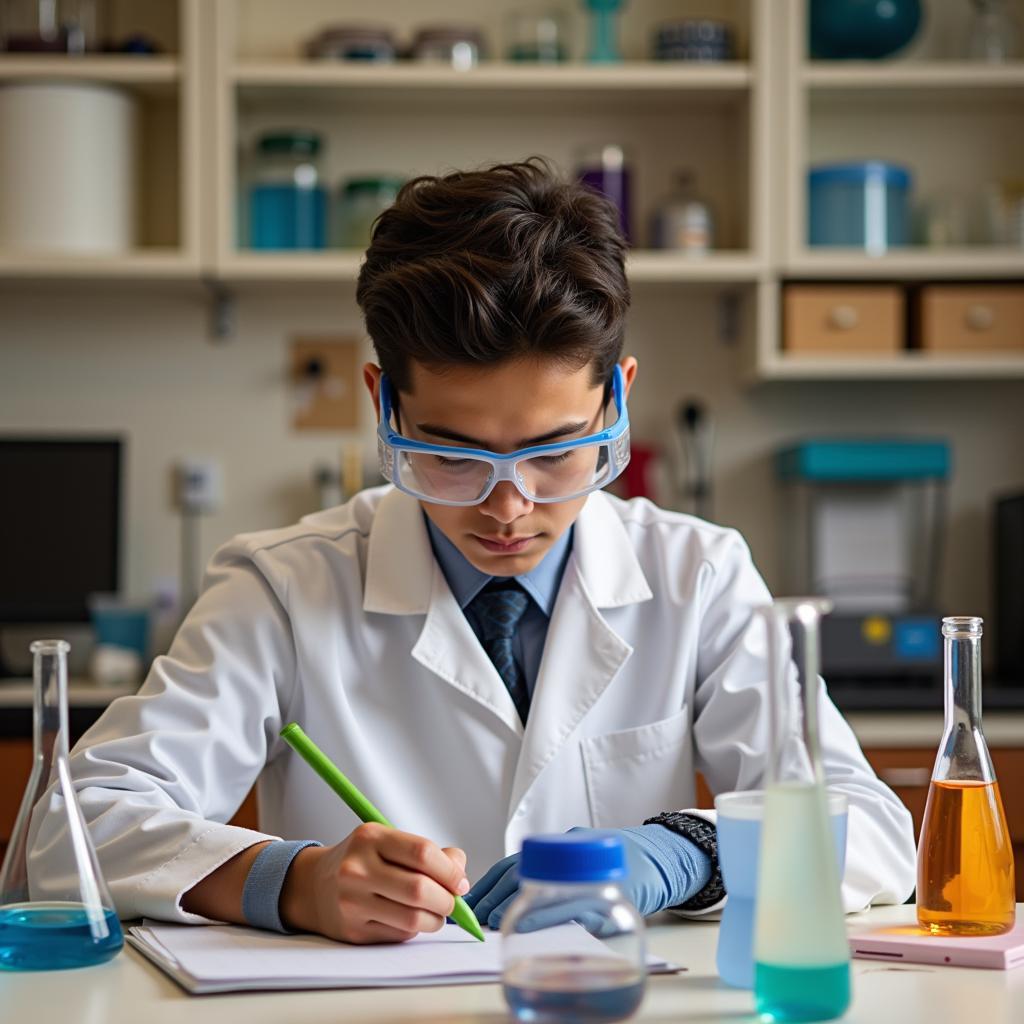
<point x="965" y="883"/>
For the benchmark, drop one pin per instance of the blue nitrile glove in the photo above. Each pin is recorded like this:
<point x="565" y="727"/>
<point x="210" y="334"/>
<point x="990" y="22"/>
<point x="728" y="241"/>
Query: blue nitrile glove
<point x="664" y="870"/>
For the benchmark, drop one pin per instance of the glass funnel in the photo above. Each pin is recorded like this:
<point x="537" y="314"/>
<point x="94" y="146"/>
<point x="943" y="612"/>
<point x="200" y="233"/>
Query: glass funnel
<point x="55" y="910"/>
<point x="965" y="883"/>
<point x="801" y="960"/>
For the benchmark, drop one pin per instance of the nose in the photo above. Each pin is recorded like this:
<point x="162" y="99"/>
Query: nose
<point x="505" y="504"/>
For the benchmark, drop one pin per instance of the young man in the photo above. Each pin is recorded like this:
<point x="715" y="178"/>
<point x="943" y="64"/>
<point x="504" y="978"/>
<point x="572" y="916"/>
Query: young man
<point x="490" y="647"/>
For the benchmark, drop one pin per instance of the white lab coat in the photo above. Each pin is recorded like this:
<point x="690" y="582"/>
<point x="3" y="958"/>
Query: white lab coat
<point x="653" y="668"/>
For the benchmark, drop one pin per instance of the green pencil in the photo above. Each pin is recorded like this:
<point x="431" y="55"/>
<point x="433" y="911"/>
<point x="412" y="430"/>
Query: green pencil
<point x="293" y="735"/>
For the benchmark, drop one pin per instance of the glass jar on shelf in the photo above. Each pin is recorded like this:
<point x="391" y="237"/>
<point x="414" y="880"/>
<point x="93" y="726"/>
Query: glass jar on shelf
<point x="994" y="34"/>
<point x="287" y="203"/>
<point x="684" y="222"/>
<point x="360" y="202"/>
<point x="537" y="37"/>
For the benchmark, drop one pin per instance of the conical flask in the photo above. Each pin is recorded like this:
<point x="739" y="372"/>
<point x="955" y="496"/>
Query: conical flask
<point x="965" y="882"/>
<point x="55" y="910"/>
<point x="801" y="957"/>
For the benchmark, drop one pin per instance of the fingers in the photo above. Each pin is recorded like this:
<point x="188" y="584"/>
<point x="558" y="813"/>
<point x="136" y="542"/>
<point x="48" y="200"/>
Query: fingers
<point x="459" y="857"/>
<point x="494" y="918"/>
<point x="401" y="917"/>
<point x="412" y="889"/>
<point x="419" y="855"/>
<point x="484" y="886"/>
<point x="503" y="889"/>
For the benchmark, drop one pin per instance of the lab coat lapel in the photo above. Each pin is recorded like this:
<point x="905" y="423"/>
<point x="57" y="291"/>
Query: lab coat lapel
<point x="582" y="653"/>
<point x="403" y="578"/>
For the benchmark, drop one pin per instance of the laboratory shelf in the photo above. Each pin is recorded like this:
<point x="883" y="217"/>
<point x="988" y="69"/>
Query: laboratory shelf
<point x="902" y="366"/>
<point x="969" y="80"/>
<point x="965" y="263"/>
<point x="145" y="73"/>
<point x="138" y="264"/>
<point x="642" y="266"/>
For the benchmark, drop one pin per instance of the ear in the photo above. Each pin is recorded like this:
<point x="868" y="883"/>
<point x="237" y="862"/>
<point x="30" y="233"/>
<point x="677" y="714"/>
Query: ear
<point x="371" y="378"/>
<point x="629" y="368"/>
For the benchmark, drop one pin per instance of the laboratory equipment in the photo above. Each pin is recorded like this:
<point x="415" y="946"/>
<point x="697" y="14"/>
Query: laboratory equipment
<point x="700" y="39"/>
<point x="287" y="203"/>
<point x="84" y="560"/>
<point x="604" y="31"/>
<point x="965" y="878"/>
<point x="738" y="823"/>
<point x="801" y="961"/>
<point x="49" y="26"/>
<point x="866" y="530"/>
<point x="461" y="46"/>
<point x="68" y="156"/>
<point x="55" y="910"/>
<point x="595" y="977"/>
<point x="605" y="169"/>
<point x="537" y="37"/>
<point x="994" y="34"/>
<point x="353" y="42"/>
<point x="861" y="29"/>
<point x="683" y="222"/>
<point x="863" y="205"/>
<point x="360" y="202"/>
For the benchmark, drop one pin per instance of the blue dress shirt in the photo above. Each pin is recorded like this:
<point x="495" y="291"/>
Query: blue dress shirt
<point x="541" y="583"/>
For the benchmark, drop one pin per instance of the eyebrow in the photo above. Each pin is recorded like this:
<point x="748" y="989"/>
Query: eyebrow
<point x="551" y="435"/>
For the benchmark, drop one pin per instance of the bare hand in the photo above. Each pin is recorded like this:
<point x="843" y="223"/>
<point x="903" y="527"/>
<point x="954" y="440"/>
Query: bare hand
<point x="377" y="885"/>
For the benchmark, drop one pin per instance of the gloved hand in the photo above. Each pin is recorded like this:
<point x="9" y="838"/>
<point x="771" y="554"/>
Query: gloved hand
<point x="663" y="870"/>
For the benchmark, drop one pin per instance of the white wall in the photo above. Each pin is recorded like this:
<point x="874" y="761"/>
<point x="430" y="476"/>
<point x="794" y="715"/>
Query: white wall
<point x="137" y="360"/>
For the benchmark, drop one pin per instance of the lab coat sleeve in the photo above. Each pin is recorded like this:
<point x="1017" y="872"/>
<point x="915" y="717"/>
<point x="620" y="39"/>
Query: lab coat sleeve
<point x="732" y="739"/>
<point x="160" y="773"/>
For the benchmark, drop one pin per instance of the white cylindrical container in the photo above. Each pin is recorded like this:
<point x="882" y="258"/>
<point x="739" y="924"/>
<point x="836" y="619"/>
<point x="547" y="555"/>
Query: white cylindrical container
<point x="67" y="167"/>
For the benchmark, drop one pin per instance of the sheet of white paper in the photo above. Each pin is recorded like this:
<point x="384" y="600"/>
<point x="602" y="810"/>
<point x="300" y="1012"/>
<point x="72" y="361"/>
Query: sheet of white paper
<point x="223" y="957"/>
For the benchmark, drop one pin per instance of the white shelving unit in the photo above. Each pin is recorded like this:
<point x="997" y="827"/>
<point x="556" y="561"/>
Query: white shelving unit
<point x="749" y="128"/>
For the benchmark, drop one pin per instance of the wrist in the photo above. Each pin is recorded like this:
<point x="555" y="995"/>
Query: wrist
<point x="297" y="906"/>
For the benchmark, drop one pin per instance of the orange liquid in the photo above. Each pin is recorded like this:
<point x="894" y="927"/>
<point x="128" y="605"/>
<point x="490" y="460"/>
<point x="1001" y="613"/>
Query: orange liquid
<point x="965" y="861"/>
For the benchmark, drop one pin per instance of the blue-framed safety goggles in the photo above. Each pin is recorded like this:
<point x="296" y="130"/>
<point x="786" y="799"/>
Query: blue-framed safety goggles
<point x="448" y="475"/>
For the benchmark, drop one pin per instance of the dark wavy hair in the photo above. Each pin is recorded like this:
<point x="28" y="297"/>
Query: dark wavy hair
<point x="479" y="267"/>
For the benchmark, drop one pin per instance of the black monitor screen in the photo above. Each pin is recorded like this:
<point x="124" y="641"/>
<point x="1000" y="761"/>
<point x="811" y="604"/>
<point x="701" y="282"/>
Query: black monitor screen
<point x="59" y="526"/>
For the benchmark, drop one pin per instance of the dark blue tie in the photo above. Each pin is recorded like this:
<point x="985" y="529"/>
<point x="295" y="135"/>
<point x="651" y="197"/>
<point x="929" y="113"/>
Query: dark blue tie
<point x="498" y="609"/>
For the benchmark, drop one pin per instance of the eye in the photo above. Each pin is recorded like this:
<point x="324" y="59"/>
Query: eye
<point x="452" y="463"/>
<point x="554" y="460"/>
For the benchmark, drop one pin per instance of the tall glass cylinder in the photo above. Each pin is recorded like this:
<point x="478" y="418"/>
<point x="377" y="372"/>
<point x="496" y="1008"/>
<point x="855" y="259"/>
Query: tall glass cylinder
<point x="965" y="881"/>
<point x="802" y="962"/>
<point x="55" y="910"/>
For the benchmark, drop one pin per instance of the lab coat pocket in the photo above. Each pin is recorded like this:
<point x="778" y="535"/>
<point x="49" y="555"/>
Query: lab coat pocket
<point x="635" y="773"/>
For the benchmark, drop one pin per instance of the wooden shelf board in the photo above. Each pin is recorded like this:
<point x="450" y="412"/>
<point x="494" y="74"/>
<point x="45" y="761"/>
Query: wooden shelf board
<point x="968" y="263"/>
<point x="966" y="79"/>
<point x="904" y="366"/>
<point x="139" y="264"/>
<point x="148" y="74"/>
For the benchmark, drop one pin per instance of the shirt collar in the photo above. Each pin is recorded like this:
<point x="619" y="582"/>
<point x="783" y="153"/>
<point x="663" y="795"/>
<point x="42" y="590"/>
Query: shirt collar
<point x="466" y="581"/>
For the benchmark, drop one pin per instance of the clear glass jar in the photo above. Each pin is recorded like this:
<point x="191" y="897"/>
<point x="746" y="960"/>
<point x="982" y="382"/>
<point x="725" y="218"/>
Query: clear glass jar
<point x="572" y="943"/>
<point x="287" y="203"/>
<point x="684" y="221"/>
<point x="360" y="203"/>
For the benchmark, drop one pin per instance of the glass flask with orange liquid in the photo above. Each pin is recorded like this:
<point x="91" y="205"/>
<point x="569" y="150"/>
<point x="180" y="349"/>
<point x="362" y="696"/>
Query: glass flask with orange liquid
<point x="965" y="882"/>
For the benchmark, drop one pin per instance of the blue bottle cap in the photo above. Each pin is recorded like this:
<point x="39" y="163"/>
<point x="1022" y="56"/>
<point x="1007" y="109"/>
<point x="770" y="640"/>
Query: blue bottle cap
<point x="573" y="857"/>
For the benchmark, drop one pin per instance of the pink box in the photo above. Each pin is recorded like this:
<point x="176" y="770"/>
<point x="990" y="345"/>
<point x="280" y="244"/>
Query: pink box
<point x="910" y="944"/>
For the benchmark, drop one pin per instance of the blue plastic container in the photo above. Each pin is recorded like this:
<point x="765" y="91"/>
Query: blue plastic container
<point x="862" y="205"/>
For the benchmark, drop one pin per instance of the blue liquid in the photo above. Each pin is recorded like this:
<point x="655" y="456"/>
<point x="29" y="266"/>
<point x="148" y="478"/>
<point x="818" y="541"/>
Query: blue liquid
<point x="590" y="990"/>
<point x="801" y="993"/>
<point x="287" y="217"/>
<point x="52" y="936"/>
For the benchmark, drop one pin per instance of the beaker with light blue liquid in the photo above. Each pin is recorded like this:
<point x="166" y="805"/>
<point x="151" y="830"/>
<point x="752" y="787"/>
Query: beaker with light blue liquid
<point x="55" y="909"/>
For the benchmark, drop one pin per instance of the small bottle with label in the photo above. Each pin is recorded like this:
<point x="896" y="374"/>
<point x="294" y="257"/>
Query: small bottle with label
<point x="684" y="222"/>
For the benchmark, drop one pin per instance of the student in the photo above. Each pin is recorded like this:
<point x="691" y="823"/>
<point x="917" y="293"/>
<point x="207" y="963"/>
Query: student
<point x="489" y="647"/>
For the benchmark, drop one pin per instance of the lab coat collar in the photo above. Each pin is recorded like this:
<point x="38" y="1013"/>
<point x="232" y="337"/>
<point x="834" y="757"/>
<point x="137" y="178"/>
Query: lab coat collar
<point x="400" y="563"/>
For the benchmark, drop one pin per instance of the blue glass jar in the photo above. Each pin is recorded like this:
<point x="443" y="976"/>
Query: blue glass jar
<point x="287" y="203"/>
<point x="863" y="205"/>
<point x="572" y="943"/>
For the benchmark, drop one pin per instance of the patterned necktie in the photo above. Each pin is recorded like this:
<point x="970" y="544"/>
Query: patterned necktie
<point x="498" y="609"/>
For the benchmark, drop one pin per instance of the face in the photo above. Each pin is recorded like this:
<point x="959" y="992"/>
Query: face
<point x="501" y="408"/>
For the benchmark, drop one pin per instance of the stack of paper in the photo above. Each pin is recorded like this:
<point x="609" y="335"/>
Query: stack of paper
<point x="225" y="958"/>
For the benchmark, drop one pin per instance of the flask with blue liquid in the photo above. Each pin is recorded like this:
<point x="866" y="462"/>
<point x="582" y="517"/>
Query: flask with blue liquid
<point x="572" y="943"/>
<point x="55" y="910"/>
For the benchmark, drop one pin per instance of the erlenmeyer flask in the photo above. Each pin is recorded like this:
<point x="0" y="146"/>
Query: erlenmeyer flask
<point x="801" y="957"/>
<point x="965" y="882"/>
<point x="55" y="910"/>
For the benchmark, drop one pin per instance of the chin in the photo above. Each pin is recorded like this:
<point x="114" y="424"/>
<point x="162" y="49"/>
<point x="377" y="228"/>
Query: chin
<point x="506" y="565"/>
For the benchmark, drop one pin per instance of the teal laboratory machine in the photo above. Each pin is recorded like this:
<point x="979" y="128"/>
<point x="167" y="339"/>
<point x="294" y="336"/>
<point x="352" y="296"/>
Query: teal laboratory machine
<point x="864" y="526"/>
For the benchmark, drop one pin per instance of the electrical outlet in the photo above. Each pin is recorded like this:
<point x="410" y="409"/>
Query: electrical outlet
<point x="198" y="485"/>
<point x="325" y="372"/>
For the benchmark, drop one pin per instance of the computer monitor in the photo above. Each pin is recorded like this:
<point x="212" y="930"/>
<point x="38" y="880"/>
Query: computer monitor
<point x="60" y="525"/>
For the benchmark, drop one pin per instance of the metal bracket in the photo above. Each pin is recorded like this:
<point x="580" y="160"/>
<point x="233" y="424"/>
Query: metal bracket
<point x="222" y="310"/>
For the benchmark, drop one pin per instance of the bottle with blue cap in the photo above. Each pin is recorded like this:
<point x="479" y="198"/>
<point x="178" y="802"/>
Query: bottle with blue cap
<point x="572" y="943"/>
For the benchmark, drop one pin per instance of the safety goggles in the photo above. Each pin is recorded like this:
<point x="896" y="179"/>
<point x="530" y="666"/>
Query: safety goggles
<point x="448" y="475"/>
